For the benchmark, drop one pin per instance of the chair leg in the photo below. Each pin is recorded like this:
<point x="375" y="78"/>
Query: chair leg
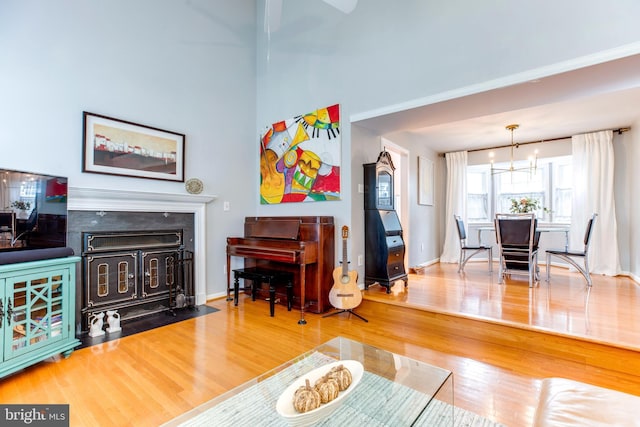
<point x="533" y="270"/>
<point x="464" y="258"/>
<point x="586" y="273"/>
<point x="548" y="266"/>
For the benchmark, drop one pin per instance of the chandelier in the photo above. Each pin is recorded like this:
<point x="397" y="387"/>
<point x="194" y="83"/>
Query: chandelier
<point x="533" y="160"/>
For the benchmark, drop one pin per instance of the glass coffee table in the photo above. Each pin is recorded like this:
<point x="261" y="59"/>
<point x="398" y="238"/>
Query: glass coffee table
<point x="387" y="390"/>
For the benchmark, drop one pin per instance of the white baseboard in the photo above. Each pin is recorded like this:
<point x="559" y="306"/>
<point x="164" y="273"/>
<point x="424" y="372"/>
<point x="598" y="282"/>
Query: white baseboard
<point x="428" y="263"/>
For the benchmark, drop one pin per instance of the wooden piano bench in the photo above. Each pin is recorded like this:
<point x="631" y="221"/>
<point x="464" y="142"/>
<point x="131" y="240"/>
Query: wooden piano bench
<point x="262" y="275"/>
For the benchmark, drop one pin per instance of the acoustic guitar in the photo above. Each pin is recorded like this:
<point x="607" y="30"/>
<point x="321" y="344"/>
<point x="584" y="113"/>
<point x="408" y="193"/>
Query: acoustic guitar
<point x="345" y="294"/>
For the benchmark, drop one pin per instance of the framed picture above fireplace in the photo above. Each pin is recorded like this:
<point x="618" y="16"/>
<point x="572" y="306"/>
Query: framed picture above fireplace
<point x="117" y="147"/>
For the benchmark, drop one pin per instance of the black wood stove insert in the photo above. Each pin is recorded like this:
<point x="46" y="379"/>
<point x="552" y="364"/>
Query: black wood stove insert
<point x="137" y="273"/>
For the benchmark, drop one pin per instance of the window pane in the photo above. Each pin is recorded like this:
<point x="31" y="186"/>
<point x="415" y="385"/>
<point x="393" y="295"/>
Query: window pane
<point x="28" y="189"/>
<point x="478" y="193"/>
<point x="477" y="207"/>
<point x="562" y="190"/>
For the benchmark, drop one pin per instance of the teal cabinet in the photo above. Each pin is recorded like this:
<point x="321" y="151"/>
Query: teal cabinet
<point x="37" y="312"/>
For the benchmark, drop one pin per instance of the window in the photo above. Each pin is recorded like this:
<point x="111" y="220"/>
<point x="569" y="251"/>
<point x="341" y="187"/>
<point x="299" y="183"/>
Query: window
<point x="563" y="190"/>
<point x="551" y="185"/>
<point x="519" y="185"/>
<point x="478" y="194"/>
<point x="28" y="190"/>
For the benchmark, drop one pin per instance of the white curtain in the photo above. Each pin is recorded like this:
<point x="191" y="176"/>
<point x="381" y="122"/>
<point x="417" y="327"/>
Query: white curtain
<point x="455" y="204"/>
<point x="593" y="167"/>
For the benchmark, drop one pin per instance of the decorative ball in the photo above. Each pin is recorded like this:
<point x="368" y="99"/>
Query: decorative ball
<point x="306" y="398"/>
<point x="342" y="375"/>
<point x="328" y="389"/>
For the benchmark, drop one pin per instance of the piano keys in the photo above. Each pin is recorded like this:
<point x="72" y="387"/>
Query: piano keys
<point x="302" y="245"/>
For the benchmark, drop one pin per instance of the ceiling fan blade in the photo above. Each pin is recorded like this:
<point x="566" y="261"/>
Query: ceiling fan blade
<point x="345" y="6"/>
<point x="272" y="15"/>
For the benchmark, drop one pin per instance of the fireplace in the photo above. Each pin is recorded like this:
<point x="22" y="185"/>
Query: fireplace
<point x="137" y="273"/>
<point x="96" y="210"/>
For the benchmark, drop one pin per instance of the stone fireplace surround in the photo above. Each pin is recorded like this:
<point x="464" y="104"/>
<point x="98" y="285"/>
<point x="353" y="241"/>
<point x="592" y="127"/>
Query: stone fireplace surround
<point x="86" y="203"/>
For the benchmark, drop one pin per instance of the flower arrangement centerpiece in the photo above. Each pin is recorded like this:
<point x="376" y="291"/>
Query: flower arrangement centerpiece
<point x="20" y="205"/>
<point x="526" y="205"/>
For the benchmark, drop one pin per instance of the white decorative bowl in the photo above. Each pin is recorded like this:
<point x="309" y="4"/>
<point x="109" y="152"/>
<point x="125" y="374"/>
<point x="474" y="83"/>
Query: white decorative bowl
<point x="285" y="408"/>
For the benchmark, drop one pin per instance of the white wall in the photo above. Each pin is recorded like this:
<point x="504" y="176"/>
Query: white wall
<point x="386" y="53"/>
<point x="184" y="66"/>
<point x="544" y="149"/>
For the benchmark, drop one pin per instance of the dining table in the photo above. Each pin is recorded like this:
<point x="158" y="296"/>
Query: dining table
<point x="544" y="229"/>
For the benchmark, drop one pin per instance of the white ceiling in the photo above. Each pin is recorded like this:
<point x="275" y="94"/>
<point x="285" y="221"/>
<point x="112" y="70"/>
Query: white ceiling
<point x="603" y="96"/>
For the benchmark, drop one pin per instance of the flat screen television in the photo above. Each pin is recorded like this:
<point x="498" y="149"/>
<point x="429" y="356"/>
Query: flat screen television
<point x="33" y="211"/>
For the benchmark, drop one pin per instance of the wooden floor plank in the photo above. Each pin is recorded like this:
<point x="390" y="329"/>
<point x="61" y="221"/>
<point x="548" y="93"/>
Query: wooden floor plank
<point x="499" y="341"/>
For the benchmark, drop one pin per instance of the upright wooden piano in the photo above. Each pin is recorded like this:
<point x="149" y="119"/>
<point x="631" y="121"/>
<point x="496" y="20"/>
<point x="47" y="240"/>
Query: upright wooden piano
<point x="302" y="245"/>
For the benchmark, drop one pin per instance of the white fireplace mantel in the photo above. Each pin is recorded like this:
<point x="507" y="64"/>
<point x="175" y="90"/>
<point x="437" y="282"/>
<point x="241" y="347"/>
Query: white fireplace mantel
<point x="94" y="199"/>
<point x="81" y="199"/>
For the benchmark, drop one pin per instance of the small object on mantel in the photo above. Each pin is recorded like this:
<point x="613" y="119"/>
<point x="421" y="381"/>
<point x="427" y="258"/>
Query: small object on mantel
<point x="194" y="186"/>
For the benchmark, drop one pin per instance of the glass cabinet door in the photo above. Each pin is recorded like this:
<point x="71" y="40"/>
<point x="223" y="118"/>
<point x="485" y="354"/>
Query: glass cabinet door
<point x="385" y="191"/>
<point x="34" y="306"/>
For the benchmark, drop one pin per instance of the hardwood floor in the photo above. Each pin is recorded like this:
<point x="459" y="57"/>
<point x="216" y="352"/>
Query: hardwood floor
<point x="606" y="312"/>
<point x="499" y="341"/>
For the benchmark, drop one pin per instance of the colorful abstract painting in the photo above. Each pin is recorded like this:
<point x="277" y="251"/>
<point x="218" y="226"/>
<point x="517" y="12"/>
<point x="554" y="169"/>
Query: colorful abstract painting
<point x="300" y="158"/>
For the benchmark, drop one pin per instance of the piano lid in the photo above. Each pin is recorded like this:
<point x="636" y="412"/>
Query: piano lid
<point x="275" y="229"/>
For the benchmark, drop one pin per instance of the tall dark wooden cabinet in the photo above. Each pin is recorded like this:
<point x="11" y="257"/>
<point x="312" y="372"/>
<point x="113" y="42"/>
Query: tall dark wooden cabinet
<point x="384" y="245"/>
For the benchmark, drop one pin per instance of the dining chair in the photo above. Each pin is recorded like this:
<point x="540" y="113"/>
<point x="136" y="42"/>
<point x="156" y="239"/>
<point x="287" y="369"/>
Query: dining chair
<point x="569" y="255"/>
<point x="518" y="245"/>
<point x="467" y="251"/>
